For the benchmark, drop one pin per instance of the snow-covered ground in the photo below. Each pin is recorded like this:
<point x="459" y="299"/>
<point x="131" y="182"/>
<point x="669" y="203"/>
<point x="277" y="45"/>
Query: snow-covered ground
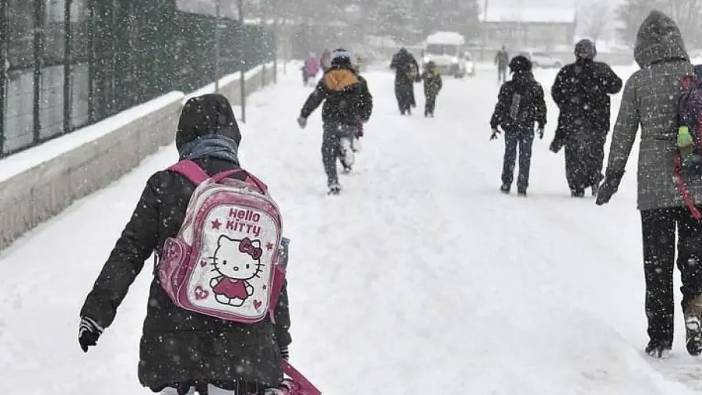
<point x="419" y="278"/>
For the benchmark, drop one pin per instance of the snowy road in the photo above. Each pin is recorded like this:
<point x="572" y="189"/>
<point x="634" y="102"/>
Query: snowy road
<point x="420" y="278"/>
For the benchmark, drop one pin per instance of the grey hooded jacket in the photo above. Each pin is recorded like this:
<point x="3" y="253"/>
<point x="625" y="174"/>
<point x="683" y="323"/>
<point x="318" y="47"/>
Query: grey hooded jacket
<point x="650" y="100"/>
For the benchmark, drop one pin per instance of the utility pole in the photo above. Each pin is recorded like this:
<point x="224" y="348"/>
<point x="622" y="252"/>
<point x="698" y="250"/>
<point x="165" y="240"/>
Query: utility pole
<point x="218" y="17"/>
<point x="242" y="62"/>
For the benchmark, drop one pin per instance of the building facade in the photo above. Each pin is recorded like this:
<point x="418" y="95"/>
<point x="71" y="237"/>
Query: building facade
<point x="521" y="28"/>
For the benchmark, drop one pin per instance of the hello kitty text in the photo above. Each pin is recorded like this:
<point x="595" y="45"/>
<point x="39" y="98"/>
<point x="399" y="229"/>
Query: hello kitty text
<point x="240" y="221"/>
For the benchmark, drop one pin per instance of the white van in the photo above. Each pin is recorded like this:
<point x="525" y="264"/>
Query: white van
<point x="446" y="50"/>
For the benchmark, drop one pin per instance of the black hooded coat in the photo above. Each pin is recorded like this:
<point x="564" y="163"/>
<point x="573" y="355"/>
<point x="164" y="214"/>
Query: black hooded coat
<point x="406" y="74"/>
<point x="178" y="346"/>
<point x="581" y="91"/>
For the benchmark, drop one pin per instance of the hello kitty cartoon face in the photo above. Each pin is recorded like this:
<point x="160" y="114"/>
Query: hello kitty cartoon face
<point x="236" y="262"/>
<point x="237" y="259"/>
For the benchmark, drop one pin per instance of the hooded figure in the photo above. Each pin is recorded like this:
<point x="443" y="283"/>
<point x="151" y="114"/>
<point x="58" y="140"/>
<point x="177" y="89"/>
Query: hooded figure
<point x="502" y="61"/>
<point x="581" y="92"/>
<point x="406" y="74"/>
<point x="181" y="349"/>
<point x="650" y="102"/>
<point x="432" y="86"/>
<point x="520" y="105"/>
<point x="347" y="105"/>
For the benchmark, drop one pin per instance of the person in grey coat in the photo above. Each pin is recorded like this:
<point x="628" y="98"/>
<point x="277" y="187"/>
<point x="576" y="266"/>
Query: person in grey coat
<point x="650" y="101"/>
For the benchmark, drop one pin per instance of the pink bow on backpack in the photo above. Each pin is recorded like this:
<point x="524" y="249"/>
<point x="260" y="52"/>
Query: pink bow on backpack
<point x="247" y="247"/>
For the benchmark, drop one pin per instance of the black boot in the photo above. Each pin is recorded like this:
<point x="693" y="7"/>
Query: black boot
<point x="505" y="188"/>
<point x="658" y="350"/>
<point x="522" y="192"/>
<point x="577" y="193"/>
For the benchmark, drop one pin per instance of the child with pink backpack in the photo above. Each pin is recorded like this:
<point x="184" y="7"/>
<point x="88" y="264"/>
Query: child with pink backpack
<point x="217" y="317"/>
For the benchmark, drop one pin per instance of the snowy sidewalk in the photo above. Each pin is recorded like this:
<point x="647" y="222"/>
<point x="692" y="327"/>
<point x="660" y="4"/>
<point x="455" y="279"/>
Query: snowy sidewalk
<point x="419" y="278"/>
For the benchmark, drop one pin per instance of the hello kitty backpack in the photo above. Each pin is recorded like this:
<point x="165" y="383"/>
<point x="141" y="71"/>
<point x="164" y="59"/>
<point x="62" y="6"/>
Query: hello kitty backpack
<point x="224" y="261"/>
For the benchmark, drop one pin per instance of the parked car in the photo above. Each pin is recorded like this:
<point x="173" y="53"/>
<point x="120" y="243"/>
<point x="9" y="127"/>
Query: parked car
<point x="542" y="59"/>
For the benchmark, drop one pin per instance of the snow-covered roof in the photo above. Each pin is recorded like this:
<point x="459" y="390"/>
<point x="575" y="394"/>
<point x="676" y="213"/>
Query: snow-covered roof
<point x="529" y="15"/>
<point x="446" y="38"/>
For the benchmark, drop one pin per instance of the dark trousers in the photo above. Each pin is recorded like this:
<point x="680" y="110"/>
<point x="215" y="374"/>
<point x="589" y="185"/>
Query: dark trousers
<point x="501" y="75"/>
<point x="404" y="92"/>
<point x="598" y="156"/>
<point x="523" y="141"/>
<point x="430" y="104"/>
<point x="331" y="147"/>
<point x="659" y="229"/>
<point x="584" y="156"/>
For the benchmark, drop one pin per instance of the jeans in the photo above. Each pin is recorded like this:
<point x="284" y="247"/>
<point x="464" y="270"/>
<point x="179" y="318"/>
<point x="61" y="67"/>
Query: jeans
<point x="430" y="105"/>
<point x="659" y="228"/>
<point x="336" y="143"/>
<point x="523" y="140"/>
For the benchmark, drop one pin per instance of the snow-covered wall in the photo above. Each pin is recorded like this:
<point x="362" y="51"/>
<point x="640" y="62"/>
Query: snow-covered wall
<point x="39" y="183"/>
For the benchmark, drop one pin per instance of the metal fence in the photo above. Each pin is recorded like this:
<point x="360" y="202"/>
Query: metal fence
<point x="70" y="63"/>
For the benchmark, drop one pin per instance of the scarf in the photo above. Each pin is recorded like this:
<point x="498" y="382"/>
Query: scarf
<point x="212" y="146"/>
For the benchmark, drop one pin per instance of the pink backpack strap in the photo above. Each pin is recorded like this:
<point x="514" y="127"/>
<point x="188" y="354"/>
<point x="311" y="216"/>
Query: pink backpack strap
<point x="306" y="387"/>
<point x="193" y="172"/>
<point x="683" y="190"/>
<point x="276" y="289"/>
<point x="190" y="170"/>
<point x="249" y="179"/>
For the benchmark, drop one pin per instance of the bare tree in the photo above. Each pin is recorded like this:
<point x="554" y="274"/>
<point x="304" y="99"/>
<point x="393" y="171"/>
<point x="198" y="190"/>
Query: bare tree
<point x="686" y="13"/>
<point x="592" y="19"/>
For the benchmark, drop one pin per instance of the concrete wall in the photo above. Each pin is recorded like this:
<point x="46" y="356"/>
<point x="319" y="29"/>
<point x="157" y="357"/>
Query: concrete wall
<point x="231" y="86"/>
<point x="43" y="191"/>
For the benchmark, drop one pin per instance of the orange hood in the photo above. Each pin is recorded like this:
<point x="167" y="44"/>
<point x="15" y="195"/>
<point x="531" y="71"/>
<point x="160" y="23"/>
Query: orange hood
<point x="340" y="79"/>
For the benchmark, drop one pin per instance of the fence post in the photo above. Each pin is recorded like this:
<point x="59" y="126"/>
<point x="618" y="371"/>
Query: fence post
<point x="38" y="57"/>
<point x="67" y="67"/>
<point x="3" y="76"/>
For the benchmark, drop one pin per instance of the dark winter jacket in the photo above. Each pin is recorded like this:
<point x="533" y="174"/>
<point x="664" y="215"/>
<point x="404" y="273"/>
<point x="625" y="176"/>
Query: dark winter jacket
<point x="520" y="104"/>
<point x="346" y="97"/>
<point x="502" y="59"/>
<point x="406" y="68"/>
<point x="581" y="92"/>
<point x="650" y="101"/>
<point x="179" y="346"/>
<point x="432" y="82"/>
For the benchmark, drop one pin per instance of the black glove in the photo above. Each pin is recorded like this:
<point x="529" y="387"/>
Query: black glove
<point x="302" y="121"/>
<point x="556" y="145"/>
<point x="89" y="332"/>
<point x="541" y="133"/>
<point x="495" y="134"/>
<point x="609" y="187"/>
<point x="285" y="353"/>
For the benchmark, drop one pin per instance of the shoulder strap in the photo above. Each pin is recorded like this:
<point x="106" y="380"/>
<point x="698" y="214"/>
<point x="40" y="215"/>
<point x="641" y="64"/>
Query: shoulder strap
<point x="305" y="385"/>
<point x="682" y="188"/>
<point x="190" y="170"/>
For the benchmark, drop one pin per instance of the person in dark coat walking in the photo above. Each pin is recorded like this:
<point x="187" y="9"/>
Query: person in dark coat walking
<point x="347" y="105"/>
<point x="432" y="87"/>
<point x="520" y="105"/>
<point x="502" y="60"/>
<point x="581" y="91"/>
<point x="180" y="349"/>
<point x="406" y="74"/>
<point x="650" y="104"/>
